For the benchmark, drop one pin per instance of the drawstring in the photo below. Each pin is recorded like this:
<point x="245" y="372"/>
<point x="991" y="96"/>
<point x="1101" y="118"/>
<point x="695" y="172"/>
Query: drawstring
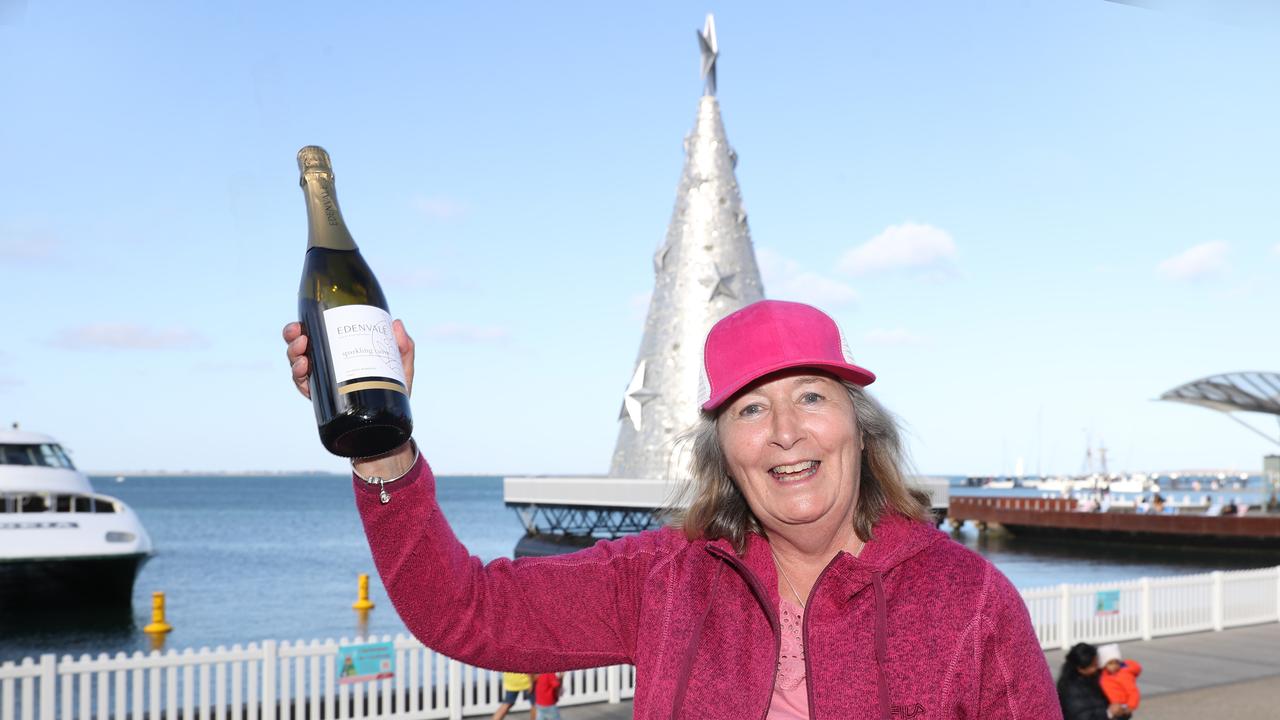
<point x="882" y="644"/>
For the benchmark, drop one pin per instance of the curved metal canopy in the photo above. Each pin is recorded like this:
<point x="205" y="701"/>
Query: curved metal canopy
<point x="1232" y="392"/>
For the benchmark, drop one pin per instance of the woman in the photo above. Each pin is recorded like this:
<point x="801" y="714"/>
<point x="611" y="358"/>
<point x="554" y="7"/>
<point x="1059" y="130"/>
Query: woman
<point x="802" y="582"/>
<point x="1079" y="691"/>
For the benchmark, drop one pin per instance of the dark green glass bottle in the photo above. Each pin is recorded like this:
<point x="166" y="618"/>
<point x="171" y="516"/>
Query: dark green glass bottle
<point x="357" y="380"/>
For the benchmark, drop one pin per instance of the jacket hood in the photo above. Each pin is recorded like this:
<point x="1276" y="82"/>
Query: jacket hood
<point x="894" y="540"/>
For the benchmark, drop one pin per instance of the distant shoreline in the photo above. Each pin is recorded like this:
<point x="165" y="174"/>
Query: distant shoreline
<point x="242" y="473"/>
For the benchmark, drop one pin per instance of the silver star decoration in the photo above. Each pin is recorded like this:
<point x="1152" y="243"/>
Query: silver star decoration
<point x="720" y="284"/>
<point x="710" y="51"/>
<point x="635" y="398"/>
<point x="660" y="257"/>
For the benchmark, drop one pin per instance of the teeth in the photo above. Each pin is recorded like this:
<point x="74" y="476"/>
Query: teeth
<point x="798" y="467"/>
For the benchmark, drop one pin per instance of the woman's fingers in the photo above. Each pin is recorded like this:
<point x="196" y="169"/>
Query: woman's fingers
<point x="296" y="352"/>
<point x="406" y="346"/>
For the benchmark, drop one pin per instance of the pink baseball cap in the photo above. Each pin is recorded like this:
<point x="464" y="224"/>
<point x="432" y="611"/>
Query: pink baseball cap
<point x="767" y="336"/>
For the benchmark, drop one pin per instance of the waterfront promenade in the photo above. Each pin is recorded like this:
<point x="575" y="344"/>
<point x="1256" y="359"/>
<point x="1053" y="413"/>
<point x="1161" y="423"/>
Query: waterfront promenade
<point x="1228" y="675"/>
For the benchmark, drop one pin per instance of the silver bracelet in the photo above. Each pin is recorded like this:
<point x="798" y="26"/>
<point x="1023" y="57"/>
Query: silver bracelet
<point x="383" y="496"/>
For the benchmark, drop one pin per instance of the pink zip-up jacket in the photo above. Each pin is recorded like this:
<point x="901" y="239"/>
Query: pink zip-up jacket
<point x="916" y="627"/>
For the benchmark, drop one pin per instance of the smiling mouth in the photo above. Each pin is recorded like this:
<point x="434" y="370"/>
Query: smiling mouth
<point x="799" y="471"/>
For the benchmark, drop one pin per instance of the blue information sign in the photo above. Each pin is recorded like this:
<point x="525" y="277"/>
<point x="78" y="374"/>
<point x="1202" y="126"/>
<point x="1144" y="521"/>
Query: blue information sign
<point x="363" y="663"/>
<point x="1108" y="602"/>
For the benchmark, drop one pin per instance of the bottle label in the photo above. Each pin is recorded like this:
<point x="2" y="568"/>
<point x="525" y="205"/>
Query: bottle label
<point x="363" y="348"/>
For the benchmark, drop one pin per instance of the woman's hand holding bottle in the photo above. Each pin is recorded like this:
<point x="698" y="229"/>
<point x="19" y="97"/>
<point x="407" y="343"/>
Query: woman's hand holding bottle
<point x="388" y="465"/>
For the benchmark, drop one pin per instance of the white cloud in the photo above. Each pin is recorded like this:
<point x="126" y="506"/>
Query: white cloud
<point x="785" y="279"/>
<point x="1276" y="250"/>
<point x="896" y="337"/>
<point x="1201" y="261"/>
<point x="27" y="246"/>
<point x="468" y="333"/>
<point x="124" y="336"/>
<point x="909" y="246"/>
<point x="439" y="207"/>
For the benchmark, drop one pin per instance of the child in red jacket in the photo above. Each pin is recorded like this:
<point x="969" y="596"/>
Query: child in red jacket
<point x="546" y="693"/>
<point x="1119" y="679"/>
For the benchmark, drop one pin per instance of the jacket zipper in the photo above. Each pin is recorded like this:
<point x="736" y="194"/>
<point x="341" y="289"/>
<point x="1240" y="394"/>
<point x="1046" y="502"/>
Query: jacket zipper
<point x="804" y="636"/>
<point x="771" y="613"/>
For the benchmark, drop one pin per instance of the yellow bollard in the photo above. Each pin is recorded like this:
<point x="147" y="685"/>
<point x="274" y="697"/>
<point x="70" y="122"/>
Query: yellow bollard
<point x="158" y="625"/>
<point x="363" y="602"/>
<point x="362" y="623"/>
<point x="157" y="641"/>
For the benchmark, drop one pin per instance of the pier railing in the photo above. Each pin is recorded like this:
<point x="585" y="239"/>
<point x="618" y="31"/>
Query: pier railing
<point x="297" y="681"/>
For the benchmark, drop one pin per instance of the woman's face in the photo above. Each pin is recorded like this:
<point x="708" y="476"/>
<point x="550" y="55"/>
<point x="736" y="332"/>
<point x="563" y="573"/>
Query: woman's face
<point x="793" y="449"/>
<point x="1090" y="669"/>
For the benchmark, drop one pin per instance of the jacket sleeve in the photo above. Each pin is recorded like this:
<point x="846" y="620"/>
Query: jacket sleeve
<point x="528" y="615"/>
<point x="1015" y="683"/>
<point x="1132" y="696"/>
<point x="1080" y="702"/>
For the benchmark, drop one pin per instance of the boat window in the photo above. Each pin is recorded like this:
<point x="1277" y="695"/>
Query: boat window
<point x="45" y="455"/>
<point x="39" y="502"/>
<point x="55" y="456"/>
<point x="33" y="503"/>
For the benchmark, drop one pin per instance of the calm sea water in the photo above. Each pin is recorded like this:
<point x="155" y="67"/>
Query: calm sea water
<point x="243" y="559"/>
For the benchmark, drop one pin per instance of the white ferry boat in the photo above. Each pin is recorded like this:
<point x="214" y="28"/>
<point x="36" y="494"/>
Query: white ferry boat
<point x="60" y="542"/>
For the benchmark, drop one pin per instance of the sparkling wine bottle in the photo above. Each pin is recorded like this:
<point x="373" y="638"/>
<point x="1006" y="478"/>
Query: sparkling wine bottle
<point x="357" y="381"/>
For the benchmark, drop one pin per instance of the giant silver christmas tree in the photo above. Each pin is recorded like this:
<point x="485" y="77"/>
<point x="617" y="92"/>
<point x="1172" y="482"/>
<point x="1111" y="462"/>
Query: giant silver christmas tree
<point x="704" y="270"/>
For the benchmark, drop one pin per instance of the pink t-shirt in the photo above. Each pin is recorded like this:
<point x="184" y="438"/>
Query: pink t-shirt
<point x="790" y="693"/>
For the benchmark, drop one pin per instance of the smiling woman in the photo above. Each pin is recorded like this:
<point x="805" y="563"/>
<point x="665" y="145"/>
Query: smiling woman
<point x="804" y="581"/>
<point x="792" y="450"/>
<point x="717" y="508"/>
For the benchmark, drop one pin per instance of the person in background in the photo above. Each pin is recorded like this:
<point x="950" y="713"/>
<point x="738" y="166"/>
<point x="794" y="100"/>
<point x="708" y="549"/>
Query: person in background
<point x="1230" y="508"/>
<point x="801" y="522"/>
<point x="1079" y="691"/>
<point x="515" y="686"/>
<point x="1119" y="679"/>
<point x="546" y="693"/>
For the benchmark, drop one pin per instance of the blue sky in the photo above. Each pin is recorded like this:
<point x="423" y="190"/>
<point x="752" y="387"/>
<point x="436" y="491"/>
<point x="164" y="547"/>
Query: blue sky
<point x="1031" y="217"/>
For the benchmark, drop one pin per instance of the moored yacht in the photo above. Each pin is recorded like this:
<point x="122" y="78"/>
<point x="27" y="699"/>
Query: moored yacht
<point x="60" y="542"/>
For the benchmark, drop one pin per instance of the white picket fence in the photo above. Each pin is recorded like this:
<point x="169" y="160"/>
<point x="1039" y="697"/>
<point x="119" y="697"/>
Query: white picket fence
<point x="283" y="681"/>
<point x="1152" y="607"/>
<point x="270" y="681"/>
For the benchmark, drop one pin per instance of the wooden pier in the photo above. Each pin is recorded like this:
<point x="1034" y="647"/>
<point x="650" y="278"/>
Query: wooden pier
<point x="1061" y="517"/>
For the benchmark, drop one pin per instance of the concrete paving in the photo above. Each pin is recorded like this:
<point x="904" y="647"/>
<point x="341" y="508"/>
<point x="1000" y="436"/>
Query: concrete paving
<point x="1251" y="700"/>
<point x="1229" y="675"/>
<point x="1201" y="660"/>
